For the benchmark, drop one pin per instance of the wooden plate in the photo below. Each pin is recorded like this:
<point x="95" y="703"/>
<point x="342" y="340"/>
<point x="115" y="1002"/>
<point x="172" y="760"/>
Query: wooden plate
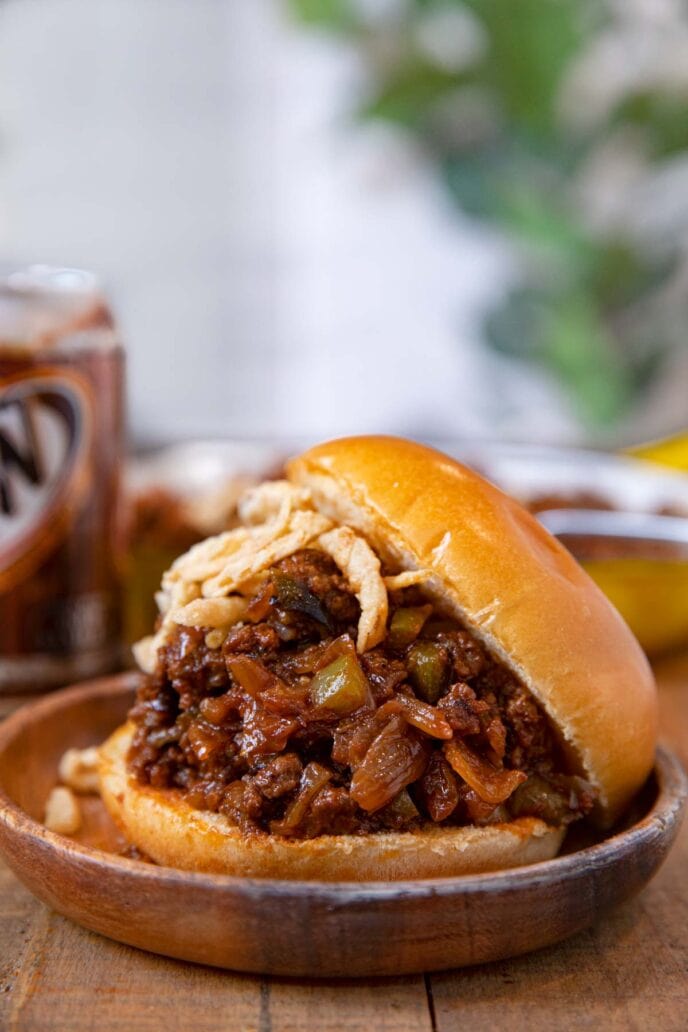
<point x="301" y="928"/>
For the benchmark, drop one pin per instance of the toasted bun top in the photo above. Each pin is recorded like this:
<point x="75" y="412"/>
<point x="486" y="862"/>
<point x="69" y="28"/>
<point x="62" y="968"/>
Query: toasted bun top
<point x="513" y="585"/>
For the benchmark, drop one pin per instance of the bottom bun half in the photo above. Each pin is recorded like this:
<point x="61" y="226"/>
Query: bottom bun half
<point x="163" y="826"/>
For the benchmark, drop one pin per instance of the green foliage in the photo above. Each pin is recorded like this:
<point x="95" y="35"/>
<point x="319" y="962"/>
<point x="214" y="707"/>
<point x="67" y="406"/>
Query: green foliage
<point x="410" y="94"/>
<point x="328" y="14"/>
<point x="492" y="121"/>
<point x="567" y="334"/>
<point x="530" y="45"/>
<point x="662" y="119"/>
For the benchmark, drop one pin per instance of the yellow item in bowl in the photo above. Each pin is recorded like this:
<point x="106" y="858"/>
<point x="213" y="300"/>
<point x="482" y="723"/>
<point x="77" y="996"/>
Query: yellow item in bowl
<point x="666" y="451"/>
<point x="650" y="594"/>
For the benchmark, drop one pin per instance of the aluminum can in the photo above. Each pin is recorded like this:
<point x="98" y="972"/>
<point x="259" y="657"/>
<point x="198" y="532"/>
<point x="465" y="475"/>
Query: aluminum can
<point x="61" y="442"/>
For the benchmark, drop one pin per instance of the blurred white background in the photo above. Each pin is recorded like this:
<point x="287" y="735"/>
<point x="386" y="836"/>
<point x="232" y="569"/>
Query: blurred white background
<point x="276" y="269"/>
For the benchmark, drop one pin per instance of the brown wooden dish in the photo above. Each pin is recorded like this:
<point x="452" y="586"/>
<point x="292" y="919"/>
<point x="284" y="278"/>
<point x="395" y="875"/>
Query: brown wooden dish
<point x="301" y="928"/>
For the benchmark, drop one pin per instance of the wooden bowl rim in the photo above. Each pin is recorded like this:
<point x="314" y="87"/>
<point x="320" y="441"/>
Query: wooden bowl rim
<point x="661" y="820"/>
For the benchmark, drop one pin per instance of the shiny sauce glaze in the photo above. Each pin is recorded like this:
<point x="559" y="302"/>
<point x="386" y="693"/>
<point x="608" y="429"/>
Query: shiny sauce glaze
<point x="285" y="729"/>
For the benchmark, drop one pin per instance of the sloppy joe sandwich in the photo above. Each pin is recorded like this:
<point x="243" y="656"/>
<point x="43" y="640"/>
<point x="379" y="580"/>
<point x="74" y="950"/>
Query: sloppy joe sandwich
<point x="388" y="670"/>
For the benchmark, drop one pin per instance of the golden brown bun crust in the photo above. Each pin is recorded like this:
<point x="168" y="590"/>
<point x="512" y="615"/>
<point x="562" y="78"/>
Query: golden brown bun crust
<point x="513" y="584"/>
<point x="172" y="833"/>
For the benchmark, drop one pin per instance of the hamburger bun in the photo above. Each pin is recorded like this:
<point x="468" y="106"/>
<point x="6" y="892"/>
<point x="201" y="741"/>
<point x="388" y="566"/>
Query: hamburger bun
<point x="520" y="593"/>
<point x="514" y="586"/>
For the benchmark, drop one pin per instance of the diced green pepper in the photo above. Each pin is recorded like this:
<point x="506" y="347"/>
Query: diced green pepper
<point x="428" y="668"/>
<point x="406" y="625"/>
<point x="536" y="798"/>
<point x="341" y="686"/>
<point x="403" y="806"/>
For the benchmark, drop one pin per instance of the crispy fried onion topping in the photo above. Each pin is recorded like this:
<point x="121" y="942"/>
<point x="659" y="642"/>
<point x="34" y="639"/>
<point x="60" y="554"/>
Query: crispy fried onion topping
<point x="272" y="500"/>
<point x="361" y="567"/>
<point x="407" y="579"/>
<point x="209" y="585"/>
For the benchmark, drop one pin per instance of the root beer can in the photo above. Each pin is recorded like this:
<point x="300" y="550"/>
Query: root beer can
<point x="61" y="440"/>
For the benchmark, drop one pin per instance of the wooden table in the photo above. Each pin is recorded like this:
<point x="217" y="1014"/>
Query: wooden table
<point x="629" y="972"/>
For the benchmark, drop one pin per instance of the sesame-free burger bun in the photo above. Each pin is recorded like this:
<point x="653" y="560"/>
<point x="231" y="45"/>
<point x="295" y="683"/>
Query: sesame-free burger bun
<point x="520" y="592"/>
<point x="173" y="833"/>
<point x="513" y="585"/>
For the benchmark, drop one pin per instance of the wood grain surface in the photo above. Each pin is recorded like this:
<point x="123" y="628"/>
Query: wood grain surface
<point x="628" y="972"/>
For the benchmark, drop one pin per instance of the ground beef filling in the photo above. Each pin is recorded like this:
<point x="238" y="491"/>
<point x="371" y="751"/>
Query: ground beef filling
<point x="285" y="729"/>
